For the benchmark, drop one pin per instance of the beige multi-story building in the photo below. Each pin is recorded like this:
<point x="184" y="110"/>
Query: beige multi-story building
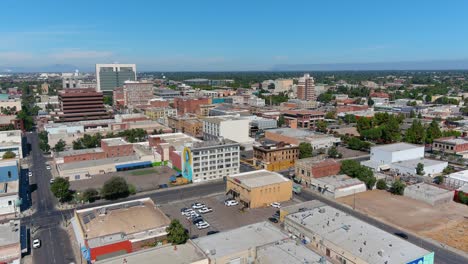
<point x="306" y="88"/>
<point x="155" y="113"/>
<point x="189" y="125"/>
<point x="259" y="188"/>
<point x="137" y="93"/>
<point x="282" y="85"/>
<point x="275" y="156"/>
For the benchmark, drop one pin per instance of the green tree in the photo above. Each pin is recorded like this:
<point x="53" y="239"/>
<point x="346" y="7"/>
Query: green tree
<point x="334" y="153"/>
<point x="350" y="167"/>
<point x="364" y="123"/>
<point x="325" y="98"/>
<point x="305" y="150"/>
<point x="463" y="197"/>
<point x="349" y="118"/>
<point x="357" y="144"/>
<point x="115" y="188"/>
<point x="353" y="169"/>
<point x="412" y="114"/>
<point x="439" y="179"/>
<point x="398" y="187"/>
<point x="419" y="115"/>
<point x="176" y="233"/>
<point x="381" y="184"/>
<point x="44" y="146"/>
<point x="330" y="115"/>
<point x="416" y="134"/>
<point x="420" y="169"/>
<point x="433" y="132"/>
<point x="281" y="121"/>
<point x="370" y="102"/>
<point x="90" y="195"/>
<point x="9" y="155"/>
<point x="60" y="146"/>
<point x="108" y="100"/>
<point x="391" y="130"/>
<point x="321" y="126"/>
<point x="61" y="189"/>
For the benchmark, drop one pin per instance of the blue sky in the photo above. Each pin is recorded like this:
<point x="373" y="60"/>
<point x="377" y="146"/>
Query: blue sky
<point x="229" y="35"/>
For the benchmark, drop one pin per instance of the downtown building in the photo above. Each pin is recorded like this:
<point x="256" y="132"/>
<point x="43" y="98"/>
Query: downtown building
<point x="306" y="88"/>
<point x="133" y="94"/>
<point x="81" y="105"/>
<point x="111" y="76"/>
<point x="210" y="160"/>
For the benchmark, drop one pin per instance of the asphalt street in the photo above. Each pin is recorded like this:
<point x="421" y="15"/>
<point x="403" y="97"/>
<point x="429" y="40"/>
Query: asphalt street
<point x="442" y="255"/>
<point x="45" y="223"/>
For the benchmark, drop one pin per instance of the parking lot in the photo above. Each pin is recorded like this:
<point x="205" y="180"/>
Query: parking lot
<point x="222" y="218"/>
<point x="143" y="179"/>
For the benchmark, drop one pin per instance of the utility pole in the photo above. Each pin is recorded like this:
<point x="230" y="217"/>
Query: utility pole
<point x="354" y="200"/>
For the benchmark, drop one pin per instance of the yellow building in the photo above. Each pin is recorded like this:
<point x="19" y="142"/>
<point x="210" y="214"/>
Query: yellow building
<point x="259" y="188"/>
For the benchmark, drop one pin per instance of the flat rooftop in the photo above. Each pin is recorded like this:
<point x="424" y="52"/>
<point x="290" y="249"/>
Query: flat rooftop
<point x="287" y="251"/>
<point x="397" y="147"/>
<point x="294" y="208"/>
<point x="459" y="175"/>
<point x="74" y="152"/>
<point x="126" y="217"/>
<point x="414" y="162"/>
<point x="258" y="178"/>
<point x="455" y="141"/>
<point x="10" y="233"/>
<point x="292" y="132"/>
<point x="338" y="181"/>
<point x="427" y="189"/>
<point x="180" y="254"/>
<point x="239" y="239"/>
<point x="355" y="236"/>
<point x="115" y="141"/>
<point x="10" y="187"/>
<point x="93" y="163"/>
<point x="8" y="162"/>
<point x="11" y="133"/>
<point x="213" y="143"/>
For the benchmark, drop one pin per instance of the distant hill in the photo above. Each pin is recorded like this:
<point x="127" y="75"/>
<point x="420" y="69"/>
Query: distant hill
<point x="377" y="66"/>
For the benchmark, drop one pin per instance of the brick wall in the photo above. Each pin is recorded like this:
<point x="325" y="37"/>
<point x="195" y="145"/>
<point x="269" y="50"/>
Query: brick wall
<point x="176" y="160"/>
<point x="326" y="169"/>
<point x="279" y="138"/>
<point x="86" y="156"/>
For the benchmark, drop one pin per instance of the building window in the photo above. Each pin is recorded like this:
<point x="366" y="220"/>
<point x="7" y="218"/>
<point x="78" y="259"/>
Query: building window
<point x="10" y="203"/>
<point x="9" y="174"/>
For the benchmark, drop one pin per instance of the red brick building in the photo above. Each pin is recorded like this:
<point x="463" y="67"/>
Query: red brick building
<point x="81" y="105"/>
<point x="159" y="103"/>
<point x="116" y="147"/>
<point x="190" y="104"/>
<point x="315" y="167"/>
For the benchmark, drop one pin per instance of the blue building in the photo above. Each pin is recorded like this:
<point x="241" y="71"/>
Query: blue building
<point x="9" y="170"/>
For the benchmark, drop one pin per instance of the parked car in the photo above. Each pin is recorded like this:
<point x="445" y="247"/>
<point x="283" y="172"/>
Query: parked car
<point x="48" y="167"/>
<point x="402" y="235"/>
<point x="205" y="210"/>
<point x="231" y="203"/>
<point x="198" y="205"/>
<point x="203" y="225"/>
<point x="192" y="216"/>
<point x="197" y="220"/>
<point x="212" y="232"/>
<point x="36" y="243"/>
<point x="162" y="186"/>
<point x="275" y="205"/>
<point x="273" y="219"/>
<point x="186" y="211"/>
<point x="52" y="180"/>
<point x="30" y="174"/>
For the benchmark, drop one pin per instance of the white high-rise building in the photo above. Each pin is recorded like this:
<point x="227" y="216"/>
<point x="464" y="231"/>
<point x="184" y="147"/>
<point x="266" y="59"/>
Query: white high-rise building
<point x="306" y="88"/>
<point x="111" y="76"/>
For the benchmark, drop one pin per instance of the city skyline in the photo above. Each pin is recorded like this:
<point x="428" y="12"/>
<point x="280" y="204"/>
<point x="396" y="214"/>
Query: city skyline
<point x="213" y="36"/>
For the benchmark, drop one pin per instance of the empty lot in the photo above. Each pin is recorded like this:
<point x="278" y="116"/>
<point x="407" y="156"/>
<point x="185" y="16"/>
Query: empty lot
<point x="143" y="179"/>
<point x="447" y="223"/>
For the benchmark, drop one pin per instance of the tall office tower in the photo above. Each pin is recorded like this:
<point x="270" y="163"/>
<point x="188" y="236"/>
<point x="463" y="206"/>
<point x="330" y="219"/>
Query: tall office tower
<point x="111" y="76"/>
<point x="81" y="105"/>
<point x="306" y="88"/>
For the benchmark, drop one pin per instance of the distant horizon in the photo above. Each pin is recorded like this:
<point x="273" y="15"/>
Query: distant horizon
<point x="429" y="65"/>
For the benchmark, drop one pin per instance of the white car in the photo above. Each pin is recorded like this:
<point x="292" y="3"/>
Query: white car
<point x="48" y="167"/>
<point x="205" y="210"/>
<point x="187" y="211"/>
<point x="275" y="205"/>
<point x="202" y="225"/>
<point x="198" y="205"/>
<point x="30" y="174"/>
<point x="231" y="203"/>
<point x="36" y="243"/>
<point x="52" y="180"/>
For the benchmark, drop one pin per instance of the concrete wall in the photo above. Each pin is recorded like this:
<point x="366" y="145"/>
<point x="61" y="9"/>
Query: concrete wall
<point x="351" y="190"/>
<point x="431" y="197"/>
<point x="7" y="205"/>
<point x="236" y="130"/>
<point x="386" y="157"/>
<point x="9" y="173"/>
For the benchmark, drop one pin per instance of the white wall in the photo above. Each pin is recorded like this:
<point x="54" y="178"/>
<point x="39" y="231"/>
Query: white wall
<point x="4" y="207"/>
<point x="383" y="156"/>
<point x="236" y="130"/>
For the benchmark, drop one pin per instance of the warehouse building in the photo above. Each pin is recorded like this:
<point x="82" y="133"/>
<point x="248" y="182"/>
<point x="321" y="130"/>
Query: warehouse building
<point x="428" y="193"/>
<point x="347" y="239"/>
<point x="337" y="186"/>
<point x="259" y="188"/>
<point x="120" y="228"/>
<point x="315" y="167"/>
<point x="403" y="158"/>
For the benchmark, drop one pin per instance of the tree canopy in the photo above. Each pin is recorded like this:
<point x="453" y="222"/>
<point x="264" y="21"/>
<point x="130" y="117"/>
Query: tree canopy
<point x="9" y="155"/>
<point x="61" y="189"/>
<point x="115" y="188"/>
<point x="305" y="150"/>
<point x="353" y="169"/>
<point x="176" y="233"/>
